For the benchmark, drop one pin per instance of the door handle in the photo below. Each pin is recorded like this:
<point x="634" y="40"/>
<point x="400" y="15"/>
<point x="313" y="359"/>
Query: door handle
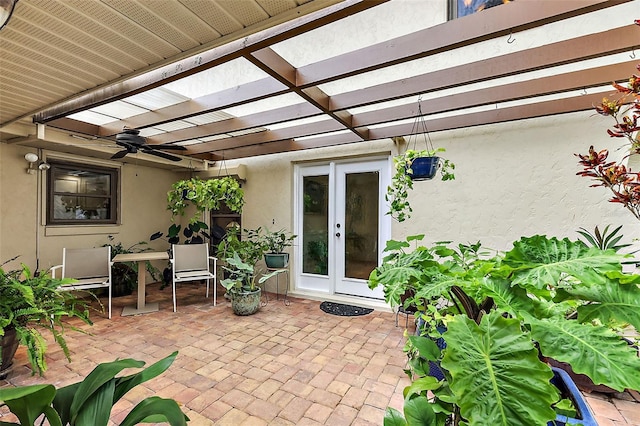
<point x="337" y="234"/>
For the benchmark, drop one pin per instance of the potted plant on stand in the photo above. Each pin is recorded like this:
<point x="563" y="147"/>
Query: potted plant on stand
<point x="30" y="303"/>
<point x="274" y="244"/>
<point x="502" y="316"/>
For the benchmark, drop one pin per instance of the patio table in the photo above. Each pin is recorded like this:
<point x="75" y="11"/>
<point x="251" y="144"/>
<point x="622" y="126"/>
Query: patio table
<point x="142" y="257"/>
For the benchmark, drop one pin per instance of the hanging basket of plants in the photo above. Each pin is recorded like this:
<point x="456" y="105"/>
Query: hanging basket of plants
<point x="209" y="194"/>
<point x="415" y="165"/>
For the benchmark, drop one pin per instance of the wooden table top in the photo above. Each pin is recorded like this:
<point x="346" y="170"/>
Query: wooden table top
<point x="142" y="256"/>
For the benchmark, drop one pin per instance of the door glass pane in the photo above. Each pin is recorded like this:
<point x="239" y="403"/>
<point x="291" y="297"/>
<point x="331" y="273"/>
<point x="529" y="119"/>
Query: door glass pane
<point x="315" y="225"/>
<point x="361" y="224"/>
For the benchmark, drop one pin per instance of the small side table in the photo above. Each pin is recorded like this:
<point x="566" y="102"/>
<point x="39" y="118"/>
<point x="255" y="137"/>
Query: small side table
<point x="286" y="288"/>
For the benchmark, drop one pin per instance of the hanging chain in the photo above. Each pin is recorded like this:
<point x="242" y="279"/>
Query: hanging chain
<point x="420" y="126"/>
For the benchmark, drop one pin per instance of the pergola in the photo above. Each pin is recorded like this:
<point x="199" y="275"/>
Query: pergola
<point x="240" y="79"/>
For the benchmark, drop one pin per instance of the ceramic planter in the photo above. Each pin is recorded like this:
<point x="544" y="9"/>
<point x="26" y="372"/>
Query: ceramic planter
<point x="8" y="344"/>
<point x="246" y="303"/>
<point x="434" y="367"/>
<point x="568" y="389"/>
<point x="423" y="168"/>
<point x="276" y="260"/>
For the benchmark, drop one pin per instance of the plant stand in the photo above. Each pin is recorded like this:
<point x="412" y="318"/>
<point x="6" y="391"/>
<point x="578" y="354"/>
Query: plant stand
<point x="286" y="288"/>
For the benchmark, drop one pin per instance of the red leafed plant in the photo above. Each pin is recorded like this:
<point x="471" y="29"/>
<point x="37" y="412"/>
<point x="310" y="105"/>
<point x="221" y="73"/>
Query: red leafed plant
<point x="621" y="181"/>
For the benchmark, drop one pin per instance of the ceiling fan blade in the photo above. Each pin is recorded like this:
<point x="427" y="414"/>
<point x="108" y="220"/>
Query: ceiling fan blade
<point x="168" y="146"/>
<point x="120" y="154"/>
<point x="161" y="154"/>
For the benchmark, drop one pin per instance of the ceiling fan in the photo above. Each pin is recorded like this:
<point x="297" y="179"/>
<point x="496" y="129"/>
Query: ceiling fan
<point x="132" y="142"/>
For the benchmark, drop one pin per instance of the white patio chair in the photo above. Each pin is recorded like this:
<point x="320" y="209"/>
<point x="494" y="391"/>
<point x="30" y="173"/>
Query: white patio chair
<point x="90" y="267"/>
<point x="191" y="263"/>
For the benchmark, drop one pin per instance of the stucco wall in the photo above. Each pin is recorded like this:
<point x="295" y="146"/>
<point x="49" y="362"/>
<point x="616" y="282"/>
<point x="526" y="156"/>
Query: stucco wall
<point x="23" y="232"/>
<point x="512" y="180"/>
<point x="516" y="179"/>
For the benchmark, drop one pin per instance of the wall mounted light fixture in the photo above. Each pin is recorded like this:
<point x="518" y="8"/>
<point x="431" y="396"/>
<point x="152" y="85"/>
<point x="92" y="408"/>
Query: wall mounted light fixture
<point x="6" y="9"/>
<point x="32" y="159"/>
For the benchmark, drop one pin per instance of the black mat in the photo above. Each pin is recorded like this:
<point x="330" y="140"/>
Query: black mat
<point x="344" y="310"/>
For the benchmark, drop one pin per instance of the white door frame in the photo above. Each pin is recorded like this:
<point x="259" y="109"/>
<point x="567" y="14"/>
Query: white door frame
<point x="312" y="283"/>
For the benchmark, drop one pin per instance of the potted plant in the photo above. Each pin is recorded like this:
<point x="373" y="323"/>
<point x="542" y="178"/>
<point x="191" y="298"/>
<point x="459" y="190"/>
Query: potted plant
<point x="410" y="166"/>
<point x="242" y="285"/>
<point x="506" y="313"/>
<point x="274" y="244"/>
<point x="91" y="400"/>
<point x="30" y="303"/>
<point x="209" y="194"/>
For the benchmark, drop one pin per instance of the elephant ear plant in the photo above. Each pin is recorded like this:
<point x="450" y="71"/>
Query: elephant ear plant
<point x="501" y="316"/>
<point x="89" y="402"/>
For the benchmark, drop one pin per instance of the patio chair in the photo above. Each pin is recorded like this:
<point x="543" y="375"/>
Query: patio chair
<point x="191" y="263"/>
<point x="90" y="267"/>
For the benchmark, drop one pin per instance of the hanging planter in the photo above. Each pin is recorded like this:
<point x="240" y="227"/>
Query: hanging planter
<point x="205" y="194"/>
<point x="423" y="168"/>
<point x="415" y="165"/>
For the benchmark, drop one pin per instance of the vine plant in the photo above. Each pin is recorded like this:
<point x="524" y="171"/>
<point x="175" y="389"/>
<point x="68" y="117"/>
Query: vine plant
<point x="615" y="176"/>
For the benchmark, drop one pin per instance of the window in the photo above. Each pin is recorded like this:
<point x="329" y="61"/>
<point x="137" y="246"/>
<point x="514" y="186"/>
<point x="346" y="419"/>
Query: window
<point x="81" y="195"/>
<point x="460" y="8"/>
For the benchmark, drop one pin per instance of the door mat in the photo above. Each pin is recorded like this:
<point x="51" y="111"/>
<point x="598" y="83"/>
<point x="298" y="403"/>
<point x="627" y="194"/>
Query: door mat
<point x="344" y="310"/>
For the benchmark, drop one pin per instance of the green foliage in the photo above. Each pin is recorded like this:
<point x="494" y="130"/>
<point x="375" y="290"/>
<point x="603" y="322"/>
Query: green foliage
<point x="401" y="183"/>
<point x="546" y="297"/>
<point x="497" y="361"/>
<point x="276" y="241"/>
<point x="31" y="303"/>
<point x="248" y="244"/>
<point x="604" y="240"/>
<point x="194" y="233"/>
<point x="89" y="402"/>
<point x="243" y="275"/>
<point x="211" y="194"/>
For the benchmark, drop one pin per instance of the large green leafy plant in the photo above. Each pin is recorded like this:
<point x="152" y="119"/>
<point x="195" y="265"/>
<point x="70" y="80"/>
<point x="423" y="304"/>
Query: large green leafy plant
<point x="89" y="402"/>
<point x="504" y="313"/>
<point x="31" y="303"/>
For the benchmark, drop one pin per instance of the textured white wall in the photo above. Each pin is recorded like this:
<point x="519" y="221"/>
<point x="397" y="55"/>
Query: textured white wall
<point x="517" y="179"/>
<point x="512" y="180"/>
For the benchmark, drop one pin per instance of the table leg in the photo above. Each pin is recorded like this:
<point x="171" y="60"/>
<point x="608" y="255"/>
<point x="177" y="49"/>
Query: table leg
<point x="142" y="307"/>
<point x="141" y="284"/>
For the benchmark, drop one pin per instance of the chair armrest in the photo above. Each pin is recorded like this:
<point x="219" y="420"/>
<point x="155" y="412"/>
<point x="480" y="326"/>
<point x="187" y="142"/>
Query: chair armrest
<point x="53" y="270"/>
<point x="213" y="258"/>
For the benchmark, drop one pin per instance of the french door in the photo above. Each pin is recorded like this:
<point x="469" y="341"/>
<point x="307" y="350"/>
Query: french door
<point x="341" y="226"/>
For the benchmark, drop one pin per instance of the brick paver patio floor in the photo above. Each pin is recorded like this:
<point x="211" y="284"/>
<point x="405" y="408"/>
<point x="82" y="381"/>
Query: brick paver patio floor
<point x="285" y="365"/>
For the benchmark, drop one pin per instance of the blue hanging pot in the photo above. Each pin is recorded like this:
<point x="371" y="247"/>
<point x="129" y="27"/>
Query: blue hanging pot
<point x="423" y="168"/>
